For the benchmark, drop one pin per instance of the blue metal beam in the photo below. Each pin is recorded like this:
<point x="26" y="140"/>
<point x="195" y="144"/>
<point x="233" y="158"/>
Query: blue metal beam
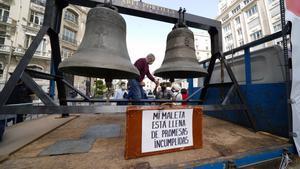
<point x="250" y="159"/>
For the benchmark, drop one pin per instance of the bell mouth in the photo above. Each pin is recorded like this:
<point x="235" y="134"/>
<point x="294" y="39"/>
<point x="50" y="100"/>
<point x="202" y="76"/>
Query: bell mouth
<point x="180" y="74"/>
<point x="183" y="72"/>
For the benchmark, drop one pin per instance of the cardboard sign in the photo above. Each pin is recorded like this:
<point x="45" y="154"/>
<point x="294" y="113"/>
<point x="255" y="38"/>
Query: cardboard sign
<point x="156" y="130"/>
<point x="166" y="129"/>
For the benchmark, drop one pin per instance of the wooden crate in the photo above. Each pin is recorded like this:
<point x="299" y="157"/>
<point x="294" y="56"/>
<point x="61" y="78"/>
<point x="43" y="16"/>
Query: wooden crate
<point x="170" y="121"/>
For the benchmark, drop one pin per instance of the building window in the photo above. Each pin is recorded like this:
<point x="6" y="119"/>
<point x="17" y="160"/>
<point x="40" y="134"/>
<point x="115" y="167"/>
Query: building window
<point x="4" y="13"/>
<point x="69" y="35"/>
<point x="228" y="38"/>
<point x="241" y="42"/>
<point x="1" y="69"/>
<point x="36" y="18"/>
<point x="229" y="47"/>
<point x="236" y="9"/>
<point x="271" y="1"/>
<point x="39" y="2"/>
<point x="41" y="48"/>
<point x="239" y="32"/>
<point x="253" y="10"/>
<point x="238" y="20"/>
<point x="247" y="2"/>
<point x="225" y="18"/>
<point x="2" y="34"/>
<point x="227" y="28"/>
<point x="66" y="53"/>
<point x="256" y="35"/>
<point x="71" y="16"/>
<point x="277" y="26"/>
<point x="255" y="22"/>
<point x="275" y="11"/>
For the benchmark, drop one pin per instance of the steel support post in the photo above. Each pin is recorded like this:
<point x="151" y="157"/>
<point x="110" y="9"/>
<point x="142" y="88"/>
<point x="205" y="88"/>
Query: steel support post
<point x="287" y="69"/>
<point x="52" y="81"/>
<point x="216" y="46"/>
<point x="53" y="16"/>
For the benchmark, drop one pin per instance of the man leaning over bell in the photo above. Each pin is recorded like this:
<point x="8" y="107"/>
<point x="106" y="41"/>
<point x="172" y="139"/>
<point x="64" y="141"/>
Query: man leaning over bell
<point x="142" y="65"/>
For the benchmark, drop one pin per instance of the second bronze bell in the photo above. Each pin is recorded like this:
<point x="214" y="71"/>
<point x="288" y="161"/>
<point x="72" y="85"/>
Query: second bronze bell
<point x="103" y="51"/>
<point x="180" y="59"/>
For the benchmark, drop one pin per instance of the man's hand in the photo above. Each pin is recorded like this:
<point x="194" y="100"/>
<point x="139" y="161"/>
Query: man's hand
<point x="142" y="83"/>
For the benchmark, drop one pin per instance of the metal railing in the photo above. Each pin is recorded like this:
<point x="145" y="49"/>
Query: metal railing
<point x="5" y="48"/>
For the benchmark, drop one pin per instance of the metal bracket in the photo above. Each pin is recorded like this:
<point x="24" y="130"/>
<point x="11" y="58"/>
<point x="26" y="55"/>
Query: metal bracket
<point x="180" y="22"/>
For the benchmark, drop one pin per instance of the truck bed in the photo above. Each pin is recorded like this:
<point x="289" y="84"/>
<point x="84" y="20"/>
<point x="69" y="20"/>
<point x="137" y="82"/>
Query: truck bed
<point x="221" y="139"/>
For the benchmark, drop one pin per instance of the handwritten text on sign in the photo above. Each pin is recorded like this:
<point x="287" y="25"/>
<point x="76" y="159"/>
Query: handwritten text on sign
<point x="166" y="129"/>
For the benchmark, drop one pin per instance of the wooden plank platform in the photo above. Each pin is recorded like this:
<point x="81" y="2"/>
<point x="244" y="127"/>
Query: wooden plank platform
<point x="19" y="135"/>
<point x="220" y="139"/>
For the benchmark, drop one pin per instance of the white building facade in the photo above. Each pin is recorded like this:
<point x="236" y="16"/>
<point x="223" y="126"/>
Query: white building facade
<point x="20" y="21"/>
<point x="202" y="45"/>
<point x="244" y="21"/>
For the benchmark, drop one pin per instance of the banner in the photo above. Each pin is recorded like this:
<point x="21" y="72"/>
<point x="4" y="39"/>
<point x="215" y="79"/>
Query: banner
<point x="293" y="15"/>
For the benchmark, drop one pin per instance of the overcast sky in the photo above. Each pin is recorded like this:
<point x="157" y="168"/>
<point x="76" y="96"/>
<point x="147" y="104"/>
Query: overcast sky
<point x="149" y="36"/>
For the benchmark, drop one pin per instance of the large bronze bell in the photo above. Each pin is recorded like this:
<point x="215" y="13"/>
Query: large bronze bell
<point x="180" y="59"/>
<point x="103" y="51"/>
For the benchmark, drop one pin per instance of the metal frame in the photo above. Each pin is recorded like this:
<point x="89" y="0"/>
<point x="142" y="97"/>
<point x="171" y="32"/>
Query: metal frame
<point x="53" y="15"/>
<point x="286" y="30"/>
<point x="287" y="70"/>
<point x="51" y="27"/>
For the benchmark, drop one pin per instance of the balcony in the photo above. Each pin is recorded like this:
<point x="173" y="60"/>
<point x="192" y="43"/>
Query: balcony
<point x="37" y="54"/>
<point x="71" y="23"/>
<point x="8" y="21"/>
<point x="68" y="42"/>
<point x="31" y="27"/>
<point x="39" y="2"/>
<point x="6" y="2"/>
<point x="5" y="49"/>
<point x="37" y="6"/>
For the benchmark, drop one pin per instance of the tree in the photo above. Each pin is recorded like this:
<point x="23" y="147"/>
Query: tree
<point x="99" y="88"/>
